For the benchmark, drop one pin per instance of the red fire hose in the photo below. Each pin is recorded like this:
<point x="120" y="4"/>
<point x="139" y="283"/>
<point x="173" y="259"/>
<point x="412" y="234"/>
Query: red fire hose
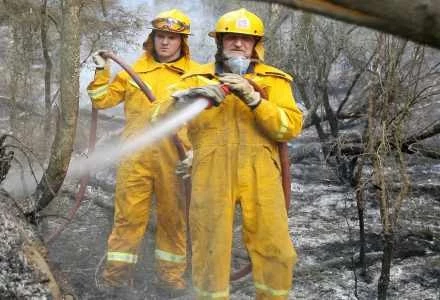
<point x="79" y="196"/>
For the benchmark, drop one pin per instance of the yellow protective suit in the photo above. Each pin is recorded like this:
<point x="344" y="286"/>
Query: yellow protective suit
<point x="143" y="173"/>
<point x="236" y="160"/>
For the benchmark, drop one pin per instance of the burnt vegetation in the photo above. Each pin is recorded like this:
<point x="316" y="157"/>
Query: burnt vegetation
<point x="365" y="170"/>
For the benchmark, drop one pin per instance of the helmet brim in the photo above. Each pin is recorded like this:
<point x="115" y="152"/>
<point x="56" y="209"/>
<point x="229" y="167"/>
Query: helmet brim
<point x="182" y="33"/>
<point x="214" y="34"/>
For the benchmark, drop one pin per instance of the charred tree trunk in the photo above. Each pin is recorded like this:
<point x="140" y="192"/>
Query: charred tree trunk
<point x="329" y="113"/>
<point x="48" y="67"/>
<point x="360" y="209"/>
<point x="360" y="204"/>
<point x="62" y="146"/>
<point x="388" y="131"/>
<point x="384" y="280"/>
<point x="14" y="83"/>
<point x="368" y="150"/>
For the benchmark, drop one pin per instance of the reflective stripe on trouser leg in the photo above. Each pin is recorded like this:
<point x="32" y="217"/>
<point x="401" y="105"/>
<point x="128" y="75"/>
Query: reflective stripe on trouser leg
<point x="211" y="295"/>
<point x="122" y="257"/>
<point x="266" y="292"/>
<point x="119" y="268"/>
<point x="169" y="257"/>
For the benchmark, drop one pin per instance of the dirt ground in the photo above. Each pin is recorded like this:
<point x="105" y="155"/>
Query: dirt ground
<point x="323" y="224"/>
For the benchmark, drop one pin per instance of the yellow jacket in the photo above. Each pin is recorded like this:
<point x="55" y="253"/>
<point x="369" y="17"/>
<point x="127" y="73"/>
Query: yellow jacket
<point x="236" y="159"/>
<point x="157" y="76"/>
<point x="276" y="119"/>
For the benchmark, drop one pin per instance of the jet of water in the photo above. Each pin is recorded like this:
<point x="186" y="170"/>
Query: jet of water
<point x="158" y="130"/>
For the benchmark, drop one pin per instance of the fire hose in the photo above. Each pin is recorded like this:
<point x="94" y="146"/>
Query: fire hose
<point x="79" y="196"/>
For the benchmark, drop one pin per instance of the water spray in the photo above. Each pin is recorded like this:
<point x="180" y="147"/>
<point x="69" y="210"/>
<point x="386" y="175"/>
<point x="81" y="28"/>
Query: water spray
<point x="158" y="130"/>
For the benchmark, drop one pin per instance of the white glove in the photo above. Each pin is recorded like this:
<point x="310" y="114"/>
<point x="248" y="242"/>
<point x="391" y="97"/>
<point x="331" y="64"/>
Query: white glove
<point x="100" y="62"/>
<point x="242" y="88"/>
<point x="183" y="168"/>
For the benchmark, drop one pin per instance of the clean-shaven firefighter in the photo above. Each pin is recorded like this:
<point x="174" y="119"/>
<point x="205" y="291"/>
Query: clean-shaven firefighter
<point x="150" y="171"/>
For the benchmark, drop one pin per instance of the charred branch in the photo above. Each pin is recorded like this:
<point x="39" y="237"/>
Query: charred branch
<point x="433" y="131"/>
<point x="414" y="20"/>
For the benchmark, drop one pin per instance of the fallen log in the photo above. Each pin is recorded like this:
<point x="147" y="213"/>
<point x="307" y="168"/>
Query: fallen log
<point x="24" y="270"/>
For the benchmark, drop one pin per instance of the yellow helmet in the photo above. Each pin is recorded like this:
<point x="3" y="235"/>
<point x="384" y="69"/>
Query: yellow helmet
<point x="242" y="21"/>
<point x="172" y="21"/>
<point x="239" y="21"/>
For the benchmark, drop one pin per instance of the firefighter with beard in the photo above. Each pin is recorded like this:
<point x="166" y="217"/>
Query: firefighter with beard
<point x="236" y="160"/>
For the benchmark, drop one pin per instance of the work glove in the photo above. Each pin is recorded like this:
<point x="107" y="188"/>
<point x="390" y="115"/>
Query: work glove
<point x="183" y="168"/>
<point x="241" y="87"/>
<point x="100" y="62"/>
<point x="215" y="93"/>
<point x="181" y="98"/>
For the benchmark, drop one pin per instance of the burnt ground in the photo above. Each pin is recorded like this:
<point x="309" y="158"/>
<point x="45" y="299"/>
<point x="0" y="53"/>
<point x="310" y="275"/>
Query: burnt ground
<point x="323" y="222"/>
<point x="17" y="279"/>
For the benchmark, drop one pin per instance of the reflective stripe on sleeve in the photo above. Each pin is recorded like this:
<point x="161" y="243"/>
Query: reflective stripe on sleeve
<point x="207" y="81"/>
<point x="284" y="124"/>
<point x="212" y="295"/>
<point x="133" y="83"/>
<point x="98" y="92"/>
<point x="155" y="113"/>
<point x="271" y="291"/>
<point x="168" y="256"/>
<point x="122" y="257"/>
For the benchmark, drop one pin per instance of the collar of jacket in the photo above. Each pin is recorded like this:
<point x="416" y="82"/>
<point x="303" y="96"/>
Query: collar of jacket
<point x="266" y="70"/>
<point x="146" y="63"/>
<point x="208" y="70"/>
